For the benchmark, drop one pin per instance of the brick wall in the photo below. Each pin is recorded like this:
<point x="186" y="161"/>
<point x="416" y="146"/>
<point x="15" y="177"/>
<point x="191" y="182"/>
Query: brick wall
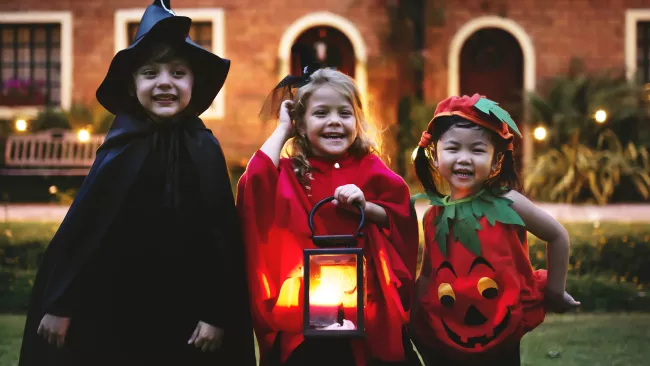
<point x="253" y="30"/>
<point x="593" y="30"/>
<point x="559" y="30"/>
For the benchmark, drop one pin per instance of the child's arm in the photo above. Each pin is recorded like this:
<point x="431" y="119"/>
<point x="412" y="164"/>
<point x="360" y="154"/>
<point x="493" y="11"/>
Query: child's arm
<point x="274" y="144"/>
<point x="545" y="227"/>
<point x="54" y="324"/>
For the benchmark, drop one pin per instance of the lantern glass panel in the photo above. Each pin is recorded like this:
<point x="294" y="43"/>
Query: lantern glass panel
<point x="333" y="296"/>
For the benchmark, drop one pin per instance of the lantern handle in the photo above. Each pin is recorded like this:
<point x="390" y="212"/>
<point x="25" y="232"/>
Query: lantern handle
<point x="329" y="199"/>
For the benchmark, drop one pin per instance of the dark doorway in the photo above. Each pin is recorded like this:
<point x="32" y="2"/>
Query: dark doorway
<point x="492" y="64"/>
<point x="331" y="46"/>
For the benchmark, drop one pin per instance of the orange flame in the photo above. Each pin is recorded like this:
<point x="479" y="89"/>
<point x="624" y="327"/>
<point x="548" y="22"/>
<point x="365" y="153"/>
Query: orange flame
<point x="337" y="284"/>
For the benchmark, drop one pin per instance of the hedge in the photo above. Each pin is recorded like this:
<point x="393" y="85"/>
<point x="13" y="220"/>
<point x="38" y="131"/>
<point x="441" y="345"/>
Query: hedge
<point x="618" y="250"/>
<point x="609" y="266"/>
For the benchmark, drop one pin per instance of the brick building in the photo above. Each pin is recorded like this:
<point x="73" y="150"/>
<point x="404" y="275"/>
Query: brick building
<point x="68" y="45"/>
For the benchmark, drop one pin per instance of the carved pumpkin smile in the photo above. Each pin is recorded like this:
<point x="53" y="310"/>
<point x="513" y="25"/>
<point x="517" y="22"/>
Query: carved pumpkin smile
<point x="480" y="340"/>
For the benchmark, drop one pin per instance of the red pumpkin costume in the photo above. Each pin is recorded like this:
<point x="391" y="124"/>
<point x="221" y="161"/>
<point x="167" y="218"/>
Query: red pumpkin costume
<point x="482" y="294"/>
<point x="274" y="207"/>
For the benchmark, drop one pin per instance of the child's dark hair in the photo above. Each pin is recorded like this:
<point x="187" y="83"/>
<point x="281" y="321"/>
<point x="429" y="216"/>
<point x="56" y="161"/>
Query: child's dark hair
<point x="506" y="178"/>
<point x="160" y="52"/>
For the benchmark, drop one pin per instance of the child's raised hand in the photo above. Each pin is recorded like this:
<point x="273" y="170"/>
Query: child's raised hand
<point x="206" y="337"/>
<point x="53" y="329"/>
<point x="560" y="303"/>
<point x="346" y="195"/>
<point x="285" y="115"/>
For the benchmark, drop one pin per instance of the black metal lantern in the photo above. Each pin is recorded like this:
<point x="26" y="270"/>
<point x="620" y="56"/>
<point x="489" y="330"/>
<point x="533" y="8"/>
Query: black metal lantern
<point x="334" y="286"/>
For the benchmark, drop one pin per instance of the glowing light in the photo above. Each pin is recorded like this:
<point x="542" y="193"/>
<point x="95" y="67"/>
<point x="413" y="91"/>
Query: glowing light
<point x="21" y="125"/>
<point x="83" y="135"/>
<point x="600" y="116"/>
<point x="337" y="285"/>
<point x="53" y="189"/>
<point x="540" y="133"/>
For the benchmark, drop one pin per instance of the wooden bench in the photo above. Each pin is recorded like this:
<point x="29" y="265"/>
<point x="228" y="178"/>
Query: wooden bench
<point x="52" y="152"/>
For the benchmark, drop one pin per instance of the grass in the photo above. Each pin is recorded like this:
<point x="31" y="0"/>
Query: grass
<point x="563" y="340"/>
<point x="11" y="332"/>
<point x="589" y="340"/>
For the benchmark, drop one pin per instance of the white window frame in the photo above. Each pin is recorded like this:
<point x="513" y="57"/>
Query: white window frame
<point x="65" y="19"/>
<point x="632" y="18"/>
<point x="214" y="15"/>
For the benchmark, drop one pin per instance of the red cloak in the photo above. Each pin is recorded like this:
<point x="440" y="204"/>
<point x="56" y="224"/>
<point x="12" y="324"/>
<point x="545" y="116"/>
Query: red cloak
<point x="274" y="208"/>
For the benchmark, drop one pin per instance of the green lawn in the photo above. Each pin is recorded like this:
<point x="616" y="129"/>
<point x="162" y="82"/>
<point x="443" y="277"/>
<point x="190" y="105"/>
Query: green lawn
<point x="563" y="340"/>
<point x="589" y="340"/>
<point x="11" y="332"/>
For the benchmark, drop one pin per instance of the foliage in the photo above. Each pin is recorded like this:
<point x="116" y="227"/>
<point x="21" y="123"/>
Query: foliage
<point x="92" y="116"/>
<point x="15" y="289"/>
<point x="609" y="266"/>
<point x="21" y="92"/>
<point x="414" y="116"/>
<point x="567" y="104"/>
<point x="619" y="251"/>
<point x="50" y="117"/>
<point x="577" y="172"/>
<point x="601" y="293"/>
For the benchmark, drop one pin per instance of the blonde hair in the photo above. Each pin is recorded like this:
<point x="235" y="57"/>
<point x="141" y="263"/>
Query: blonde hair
<point x="300" y="147"/>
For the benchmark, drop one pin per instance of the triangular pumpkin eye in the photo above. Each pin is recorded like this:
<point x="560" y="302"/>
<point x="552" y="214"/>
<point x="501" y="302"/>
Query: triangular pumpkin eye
<point x="487" y="288"/>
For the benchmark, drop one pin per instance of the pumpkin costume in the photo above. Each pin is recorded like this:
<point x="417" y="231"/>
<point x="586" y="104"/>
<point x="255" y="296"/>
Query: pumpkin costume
<point x="483" y="294"/>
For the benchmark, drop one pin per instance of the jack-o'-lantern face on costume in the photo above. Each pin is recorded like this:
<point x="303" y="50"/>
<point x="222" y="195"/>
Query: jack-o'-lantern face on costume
<point x="474" y="302"/>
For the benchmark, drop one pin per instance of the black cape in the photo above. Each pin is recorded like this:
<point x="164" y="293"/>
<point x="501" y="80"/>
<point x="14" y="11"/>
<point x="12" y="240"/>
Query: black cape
<point x="114" y="211"/>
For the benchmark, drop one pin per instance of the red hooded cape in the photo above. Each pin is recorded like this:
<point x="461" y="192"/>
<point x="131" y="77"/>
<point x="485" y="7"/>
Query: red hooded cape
<point x="274" y="208"/>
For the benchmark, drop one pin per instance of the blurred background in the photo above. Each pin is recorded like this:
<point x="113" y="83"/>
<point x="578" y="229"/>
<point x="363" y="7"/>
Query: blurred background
<point x="575" y="75"/>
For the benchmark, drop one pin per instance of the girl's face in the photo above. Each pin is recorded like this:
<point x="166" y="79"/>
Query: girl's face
<point x="164" y="89"/>
<point x="464" y="157"/>
<point x="330" y="124"/>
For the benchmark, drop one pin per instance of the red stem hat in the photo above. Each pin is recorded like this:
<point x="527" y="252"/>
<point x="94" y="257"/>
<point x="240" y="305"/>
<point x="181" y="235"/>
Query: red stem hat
<point x="476" y="109"/>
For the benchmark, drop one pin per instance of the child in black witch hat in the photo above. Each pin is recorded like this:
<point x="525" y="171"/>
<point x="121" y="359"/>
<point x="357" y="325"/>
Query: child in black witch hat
<point x="147" y="267"/>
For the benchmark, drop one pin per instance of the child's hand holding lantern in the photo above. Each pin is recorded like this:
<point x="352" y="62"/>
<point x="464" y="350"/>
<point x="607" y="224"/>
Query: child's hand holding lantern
<point x="345" y="196"/>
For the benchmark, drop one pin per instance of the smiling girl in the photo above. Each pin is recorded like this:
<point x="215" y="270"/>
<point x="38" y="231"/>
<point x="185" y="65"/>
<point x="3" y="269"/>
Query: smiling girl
<point x="477" y="293"/>
<point x="330" y="154"/>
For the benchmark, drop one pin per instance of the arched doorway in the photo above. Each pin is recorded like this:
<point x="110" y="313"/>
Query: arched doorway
<point x="331" y="47"/>
<point x="491" y="64"/>
<point x="326" y="19"/>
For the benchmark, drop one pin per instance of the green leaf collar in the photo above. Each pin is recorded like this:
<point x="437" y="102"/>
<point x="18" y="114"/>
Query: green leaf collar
<point x="463" y="216"/>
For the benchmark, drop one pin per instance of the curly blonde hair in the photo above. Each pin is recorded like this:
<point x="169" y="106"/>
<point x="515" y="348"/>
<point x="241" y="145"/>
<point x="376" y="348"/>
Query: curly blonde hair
<point x="300" y="147"/>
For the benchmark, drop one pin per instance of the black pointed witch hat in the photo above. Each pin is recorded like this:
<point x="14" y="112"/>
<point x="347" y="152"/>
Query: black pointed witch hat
<point x="160" y="23"/>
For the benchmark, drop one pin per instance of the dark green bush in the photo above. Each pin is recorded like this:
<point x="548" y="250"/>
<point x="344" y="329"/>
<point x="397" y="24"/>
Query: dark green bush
<point x="619" y="250"/>
<point x="15" y="289"/>
<point x="608" y="271"/>
<point x="600" y="293"/>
